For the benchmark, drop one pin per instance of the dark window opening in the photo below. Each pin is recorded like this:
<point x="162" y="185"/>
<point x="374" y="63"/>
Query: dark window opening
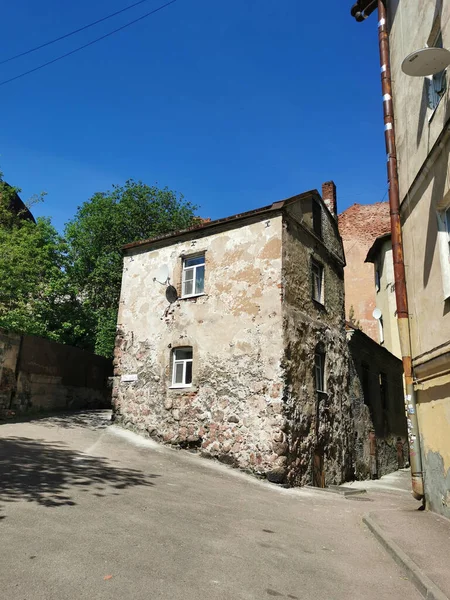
<point x="317" y="218"/>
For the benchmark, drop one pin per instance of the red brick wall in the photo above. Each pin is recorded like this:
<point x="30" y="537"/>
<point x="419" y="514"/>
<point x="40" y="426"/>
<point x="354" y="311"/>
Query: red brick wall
<point x="359" y="225"/>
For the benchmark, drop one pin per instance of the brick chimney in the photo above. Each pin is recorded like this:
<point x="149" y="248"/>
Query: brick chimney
<point x="329" y="197"/>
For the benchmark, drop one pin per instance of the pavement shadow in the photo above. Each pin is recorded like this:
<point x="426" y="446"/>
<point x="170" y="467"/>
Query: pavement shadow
<point x="98" y="419"/>
<point x="47" y="473"/>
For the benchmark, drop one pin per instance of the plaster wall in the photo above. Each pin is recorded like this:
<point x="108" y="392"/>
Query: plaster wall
<point x="359" y="226"/>
<point x="423" y="157"/>
<point x="385" y="300"/>
<point x="233" y="410"/>
<point x="417" y="126"/>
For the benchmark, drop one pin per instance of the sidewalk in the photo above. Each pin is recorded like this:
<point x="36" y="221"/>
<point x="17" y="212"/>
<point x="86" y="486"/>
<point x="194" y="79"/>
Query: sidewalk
<point x="417" y="540"/>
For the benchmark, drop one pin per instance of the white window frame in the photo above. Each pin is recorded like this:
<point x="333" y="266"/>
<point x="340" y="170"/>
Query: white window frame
<point x="184" y="362"/>
<point x="443" y="218"/>
<point x="317" y="277"/>
<point x="186" y="268"/>
<point x="319" y="372"/>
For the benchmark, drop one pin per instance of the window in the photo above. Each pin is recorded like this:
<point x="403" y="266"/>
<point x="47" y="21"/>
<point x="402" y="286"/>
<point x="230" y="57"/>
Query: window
<point x="319" y="371"/>
<point x="182" y="367"/>
<point x="317" y="218"/>
<point x="193" y="275"/>
<point x="436" y="84"/>
<point x="443" y="219"/>
<point x="377" y="278"/>
<point x="317" y="281"/>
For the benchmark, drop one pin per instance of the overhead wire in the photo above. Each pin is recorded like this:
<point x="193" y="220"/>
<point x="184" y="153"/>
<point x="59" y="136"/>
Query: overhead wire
<point x="58" y="58"/>
<point x="66" y="35"/>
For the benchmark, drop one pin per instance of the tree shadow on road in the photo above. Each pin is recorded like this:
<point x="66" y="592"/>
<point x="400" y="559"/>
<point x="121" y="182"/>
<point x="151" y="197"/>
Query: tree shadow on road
<point x="99" y="419"/>
<point x="48" y="472"/>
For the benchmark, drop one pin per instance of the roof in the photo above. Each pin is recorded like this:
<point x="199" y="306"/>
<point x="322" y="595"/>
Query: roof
<point x="233" y="219"/>
<point x="367" y="340"/>
<point x="376" y="247"/>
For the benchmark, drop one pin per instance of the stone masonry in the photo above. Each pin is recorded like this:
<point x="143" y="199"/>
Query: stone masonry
<point x="253" y="334"/>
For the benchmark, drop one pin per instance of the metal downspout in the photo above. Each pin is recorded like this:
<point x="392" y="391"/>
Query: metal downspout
<point x="397" y="252"/>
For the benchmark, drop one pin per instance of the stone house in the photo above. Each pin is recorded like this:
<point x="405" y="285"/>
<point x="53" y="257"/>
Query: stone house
<point x="231" y="339"/>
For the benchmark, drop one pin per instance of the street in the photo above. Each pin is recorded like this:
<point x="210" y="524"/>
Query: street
<point x="89" y="511"/>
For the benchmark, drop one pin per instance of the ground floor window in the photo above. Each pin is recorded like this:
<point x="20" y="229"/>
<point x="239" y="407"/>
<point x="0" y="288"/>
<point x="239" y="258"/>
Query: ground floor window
<point x="182" y="367"/>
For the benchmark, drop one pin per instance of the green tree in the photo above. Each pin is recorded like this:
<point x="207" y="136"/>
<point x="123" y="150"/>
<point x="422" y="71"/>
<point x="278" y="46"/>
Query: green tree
<point x="36" y="296"/>
<point x="96" y="235"/>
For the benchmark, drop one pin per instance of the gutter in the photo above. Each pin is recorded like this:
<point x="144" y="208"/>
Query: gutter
<point x="361" y="10"/>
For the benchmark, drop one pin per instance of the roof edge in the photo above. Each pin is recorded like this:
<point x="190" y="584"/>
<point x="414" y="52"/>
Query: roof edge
<point x="375" y="247"/>
<point x="275" y="206"/>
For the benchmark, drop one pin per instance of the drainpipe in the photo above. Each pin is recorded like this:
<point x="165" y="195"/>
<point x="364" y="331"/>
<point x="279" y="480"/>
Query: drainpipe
<point x="397" y="252"/>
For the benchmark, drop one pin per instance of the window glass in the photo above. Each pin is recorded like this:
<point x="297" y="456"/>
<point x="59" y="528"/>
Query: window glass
<point x="183" y="353"/>
<point x="195" y="260"/>
<point x="179" y="372"/>
<point x="199" y="279"/>
<point x="319" y="362"/>
<point x="189" y="372"/>
<point x="193" y="275"/>
<point x="317" y="278"/>
<point x="182" y="367"/>
<point x="317" y="218"/>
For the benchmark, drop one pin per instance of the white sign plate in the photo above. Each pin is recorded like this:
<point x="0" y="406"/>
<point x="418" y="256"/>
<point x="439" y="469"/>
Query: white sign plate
<point x="127" y="378"/>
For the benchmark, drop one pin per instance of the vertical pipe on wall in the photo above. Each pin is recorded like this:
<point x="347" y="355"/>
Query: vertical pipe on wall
<point x="397" y="252"/>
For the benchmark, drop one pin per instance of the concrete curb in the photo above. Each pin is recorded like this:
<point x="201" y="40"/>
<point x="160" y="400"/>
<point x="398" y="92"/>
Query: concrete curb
<point x="425" y="586"/>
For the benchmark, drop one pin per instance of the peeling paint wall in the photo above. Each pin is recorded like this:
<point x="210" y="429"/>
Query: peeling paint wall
<point x="316" y="424"/>
<point x="254" y="331"/>
<point x="233" y="409"/>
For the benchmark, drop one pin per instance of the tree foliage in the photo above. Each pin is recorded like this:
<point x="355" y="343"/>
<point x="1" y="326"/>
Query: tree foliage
<point x="96" y="235"/>
<point x="36" y="296"/>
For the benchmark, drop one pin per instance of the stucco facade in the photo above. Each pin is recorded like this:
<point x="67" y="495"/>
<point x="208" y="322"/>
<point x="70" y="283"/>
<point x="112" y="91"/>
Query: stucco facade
<point x="423" y="147"/>
<point x="253" y="335"/>
<point x="359" y="226"/>
<point x="380" y="255"/>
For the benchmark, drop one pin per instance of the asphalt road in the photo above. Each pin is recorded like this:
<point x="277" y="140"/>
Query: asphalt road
<point x="88" y="511"/>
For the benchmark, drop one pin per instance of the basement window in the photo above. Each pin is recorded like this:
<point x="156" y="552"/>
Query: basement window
<point x="193" y="282"/>
<point x="182" y="367"/>
<point x="317" y="281"/>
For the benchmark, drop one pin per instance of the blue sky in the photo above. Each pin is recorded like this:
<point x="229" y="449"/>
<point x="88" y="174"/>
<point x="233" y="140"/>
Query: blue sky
<point x="234" y="104"/>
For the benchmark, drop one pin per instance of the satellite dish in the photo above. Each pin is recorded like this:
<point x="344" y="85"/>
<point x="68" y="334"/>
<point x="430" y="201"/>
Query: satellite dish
<point x="162" y="274"/>
<point x="427" y="61"/>
<point x="376" y="314"/>
<point x="171" y="294"/>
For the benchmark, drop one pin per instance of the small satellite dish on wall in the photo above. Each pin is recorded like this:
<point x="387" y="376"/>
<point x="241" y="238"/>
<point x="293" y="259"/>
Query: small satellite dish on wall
<point x="427" y="61"/>
<point x="162" y="274"/>
<point x="376" y="314"/>
<point x="171" y="294"/>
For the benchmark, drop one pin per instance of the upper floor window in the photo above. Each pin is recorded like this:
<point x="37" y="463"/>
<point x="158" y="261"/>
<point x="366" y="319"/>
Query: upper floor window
<point x="443" y="219"/>
<point x="319" y="371"/>
<point x="182" y="367"/>
<point x="317" y="281"/>
<point x="436" y="84"/>
<point x="193" y="281"/>
<point x="317" y="218"/>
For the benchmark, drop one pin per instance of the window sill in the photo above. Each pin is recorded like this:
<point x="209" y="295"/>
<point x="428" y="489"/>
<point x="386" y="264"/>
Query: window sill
<point x="192" y="296"/>
<point x="319" y="304"/>
<point x="181" y="387"/>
